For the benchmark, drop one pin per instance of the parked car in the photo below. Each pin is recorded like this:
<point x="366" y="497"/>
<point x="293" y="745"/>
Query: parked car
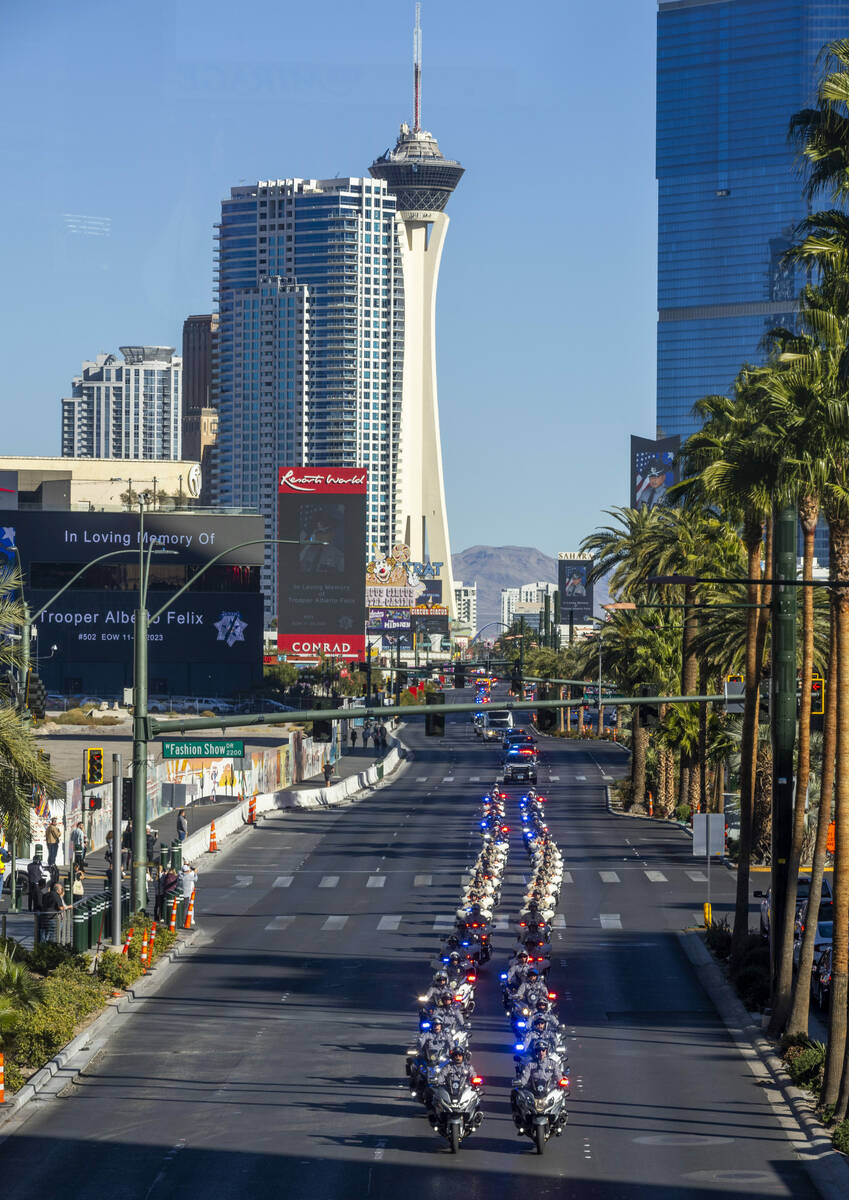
<point x="823" y="936"/>
<point x="803" y="889"/>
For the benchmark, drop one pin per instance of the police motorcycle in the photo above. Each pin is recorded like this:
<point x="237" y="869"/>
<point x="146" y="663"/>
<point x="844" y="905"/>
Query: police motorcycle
<point x="538" y="1099"/>
<point x="540" y="1028"/>
<point x="454" y="1100"/>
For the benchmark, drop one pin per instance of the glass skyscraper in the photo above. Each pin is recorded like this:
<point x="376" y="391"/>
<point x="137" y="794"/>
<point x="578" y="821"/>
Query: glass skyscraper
<point x="309" y="354"/>
<point x="730" y="73"/>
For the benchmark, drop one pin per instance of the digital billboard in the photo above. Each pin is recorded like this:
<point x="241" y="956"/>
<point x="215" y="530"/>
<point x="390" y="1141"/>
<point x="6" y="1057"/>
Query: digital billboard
<point x="388" y="620"/>
<point x="653" y="469"/>
<point x="576" y="594"/>
<point x="321" y="566"/>
<point x="209" y="640"/>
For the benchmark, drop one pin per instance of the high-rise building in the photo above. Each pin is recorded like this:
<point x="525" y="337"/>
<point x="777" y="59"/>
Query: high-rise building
<point x="128" y="409"/>
<point x="512" y="598"/>
<point x="200" y="417"/>
<point x="466" y="602"/>
<point x="325" y="354"/>
<point x="422" y="180"/>
<point x="309" y="353"/>
<point x="730" y="73"/>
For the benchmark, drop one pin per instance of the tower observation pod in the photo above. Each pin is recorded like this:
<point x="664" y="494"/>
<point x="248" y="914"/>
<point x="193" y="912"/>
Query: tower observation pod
<point x="422" y="180"/>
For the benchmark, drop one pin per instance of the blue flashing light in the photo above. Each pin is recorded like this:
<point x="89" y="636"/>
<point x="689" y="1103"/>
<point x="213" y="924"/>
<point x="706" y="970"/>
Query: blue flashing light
<point x="519" y="1047"/>
<point x="425" y="1025"/>
<point x="521" y="1024"/>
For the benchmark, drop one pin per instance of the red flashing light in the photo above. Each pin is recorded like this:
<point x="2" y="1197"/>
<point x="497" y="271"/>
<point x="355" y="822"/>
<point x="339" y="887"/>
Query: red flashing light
<point x="477" y="1080"/>
<point x="564" y="1083"/>
<point x="552" y="995"/>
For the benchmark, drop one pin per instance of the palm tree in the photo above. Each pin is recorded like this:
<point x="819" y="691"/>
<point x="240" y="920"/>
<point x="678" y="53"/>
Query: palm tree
<point x="822" y="133"/>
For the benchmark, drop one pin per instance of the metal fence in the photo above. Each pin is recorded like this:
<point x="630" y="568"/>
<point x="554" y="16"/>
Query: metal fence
<point x="84" y="924"/>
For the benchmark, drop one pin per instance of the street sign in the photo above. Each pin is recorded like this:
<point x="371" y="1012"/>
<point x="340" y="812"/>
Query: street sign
<point x="708" y="833"/>
<point x="831" y="840"/>
<point x="213" y="748"/>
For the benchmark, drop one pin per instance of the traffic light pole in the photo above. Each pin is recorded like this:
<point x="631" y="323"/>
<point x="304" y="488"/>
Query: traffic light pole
<point x="117" y="783"/>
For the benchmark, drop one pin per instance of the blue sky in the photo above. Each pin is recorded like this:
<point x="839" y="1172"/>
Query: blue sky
<point x="126" y="124"/>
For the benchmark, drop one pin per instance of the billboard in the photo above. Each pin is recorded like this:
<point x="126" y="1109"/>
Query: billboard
<point x="653" y="469"/>
<point x="211" y="635"/>
<point x="321" y="598"/>
<point x="388" y="620"/>
<point x="576" y="594"/>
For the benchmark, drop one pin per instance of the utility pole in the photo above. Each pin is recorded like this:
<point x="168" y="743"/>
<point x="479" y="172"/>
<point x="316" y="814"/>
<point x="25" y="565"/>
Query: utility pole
<point x="117" y="787"/>
<point x="783" y="712"/>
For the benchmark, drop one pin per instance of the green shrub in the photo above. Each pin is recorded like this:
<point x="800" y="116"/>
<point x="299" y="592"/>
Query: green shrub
<point x="752" y="984"/>
<point x="47" y="956"/>
<point x="117" y="970"/>
<point x="683" y="813"/>
<point x="806" y="1066"/>
<point x="41" y="1033"/>
<point x="14" y="1077"/>
<point x="840" y="1137"/>
<point x="718" y="938"/>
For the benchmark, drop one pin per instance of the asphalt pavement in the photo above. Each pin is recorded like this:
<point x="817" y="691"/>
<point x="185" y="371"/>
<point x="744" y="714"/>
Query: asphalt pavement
<point x="274" y="1058"/>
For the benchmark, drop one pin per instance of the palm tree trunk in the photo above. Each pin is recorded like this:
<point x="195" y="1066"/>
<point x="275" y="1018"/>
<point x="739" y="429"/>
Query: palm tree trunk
<point x="748" y="745"/>
<point x="703" y="723"/>
<point x="809" y="511"/>
<point x="840" y="945"/>
<point x="798" y="1021"/>
<point x="639" y="745"/>
<point x="689" y="679"/>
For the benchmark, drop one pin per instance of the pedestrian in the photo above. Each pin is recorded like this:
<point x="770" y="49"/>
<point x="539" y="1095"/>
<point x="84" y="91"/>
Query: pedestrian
<point x="383" y="737"/>
<point x="52" y="904"/>
<point x="166" y="890"/>
<point x="188" y="881"/>
<point x="53" y="836"/>
<point x="79" y="843"/>
<point x="152" y="839"/>
<point x="126" y="848"/>
<point x="78" y="888"/>
<point x="353" y="738"/>
<point x="182" y="825"/>
<point x="34" y="877"/>
<point x="328" y="772"/>
<point x="107" y="853"/>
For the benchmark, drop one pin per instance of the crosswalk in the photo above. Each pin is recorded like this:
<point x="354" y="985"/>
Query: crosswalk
<point x="379" y="879"/>
<point x="485" y="779"/>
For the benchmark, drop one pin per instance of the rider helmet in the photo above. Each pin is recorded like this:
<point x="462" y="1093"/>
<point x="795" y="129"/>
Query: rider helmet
<point x="542" y="1006"/>
<point x="457" y="1054"/>
<point x="540" y="1051"/>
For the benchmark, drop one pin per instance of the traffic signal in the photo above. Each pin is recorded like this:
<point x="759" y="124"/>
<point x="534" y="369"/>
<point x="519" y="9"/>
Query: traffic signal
<point x="126" y="799"/>
<point x="817" y="695"/>
<point x="322" y="731"/>
<point x="517" y="684"/>
<point x="649" y="713"/>
<point x="36" y="696"/>
<point x="401" y="680"/>
<point x="734" y="690"/>
<point x="546" y="717"/>
<point x="435" y="722"/>
<point x="459" y="677"/>
<point x="95" y="802"/>
<point x="93" y="766"/>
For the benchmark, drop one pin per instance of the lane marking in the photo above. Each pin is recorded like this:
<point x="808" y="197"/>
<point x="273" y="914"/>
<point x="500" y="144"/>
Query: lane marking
<point x="423" y="881"/>
<point x="559" y="921"/>
<point x="448" y="779"/>
<point x="443" y="922"/>
<point x="376" y="881"/>
<point x="567" y="877"/>
<point x="697" y="876"/>
<point x="243" y="881"/>
<point x="335" y="923"/>
<point x="581" y="778"/>
<point x="609" y="877"/>
<point x="389" y="922"/>
<point x="554" y="778"/>
<point x="610" y="920"/>
<point x="279" y="923"/>
<point x="515" y="879"/>
<point x="421" y="779"/>
<point x="329" y="881"/>
<point x="283" y="881"/>
<point x="656" y="877"/>
<point x="474" y="779"/>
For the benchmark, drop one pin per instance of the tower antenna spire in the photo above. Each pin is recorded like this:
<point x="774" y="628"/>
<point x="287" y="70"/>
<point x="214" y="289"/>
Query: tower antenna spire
<point x="417" y="71"/>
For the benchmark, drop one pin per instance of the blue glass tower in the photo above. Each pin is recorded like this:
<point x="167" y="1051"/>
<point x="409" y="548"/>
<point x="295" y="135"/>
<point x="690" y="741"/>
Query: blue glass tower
<point x="730" y="73"/>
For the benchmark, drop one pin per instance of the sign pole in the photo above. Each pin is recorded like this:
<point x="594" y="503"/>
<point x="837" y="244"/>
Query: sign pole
<point x="117" y="785"/>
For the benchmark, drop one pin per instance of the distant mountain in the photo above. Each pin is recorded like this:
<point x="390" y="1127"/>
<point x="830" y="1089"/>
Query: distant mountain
<point x="497" y="567"/>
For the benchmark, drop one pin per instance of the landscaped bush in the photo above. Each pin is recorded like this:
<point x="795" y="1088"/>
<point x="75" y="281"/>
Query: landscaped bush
<point x="718" y="938"/>
<point x="840" y="1137"/>
<point x="806" y="1066"/>
<point x="47" y="956"/>
<point x="118" y="970"/>
<point x="683" y="813"/>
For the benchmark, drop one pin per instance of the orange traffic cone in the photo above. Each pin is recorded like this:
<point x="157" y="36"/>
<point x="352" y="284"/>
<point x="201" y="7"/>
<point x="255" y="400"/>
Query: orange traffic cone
<point x="190" y="913"/>
<point x="651" y="805"/>
<point x="126" y="947"/>
<point x="2" y="1079"/>
<point x="172" y="924"/>
<point x="252" y="811"/>
<point x="213" y="840"/>
<point x="144" y="952"/>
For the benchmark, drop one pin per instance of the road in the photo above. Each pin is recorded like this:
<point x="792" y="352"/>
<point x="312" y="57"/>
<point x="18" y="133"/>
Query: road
<point x="273" y="1060"/>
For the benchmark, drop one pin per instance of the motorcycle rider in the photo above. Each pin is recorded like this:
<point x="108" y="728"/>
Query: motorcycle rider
<point x="517" y="973"/>
<point x="532" y="990"/>
<point x="542" y="1068"/>
<point x="433" y="1043"/>
<point x="438" y="988"/>
<point x="453" y="1020"/>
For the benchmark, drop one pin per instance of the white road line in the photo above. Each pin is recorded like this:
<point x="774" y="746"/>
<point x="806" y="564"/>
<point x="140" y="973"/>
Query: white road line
<point x="559" y="921"/>
<point x="655" y="876"/>
<point x="283" y="881"/>
<point x="697" y="876"/>
<point x="421" y="779"/>
<point x="581" y="778"/>
<point x="515" y="879"/>
<point x="567" y="877"/>
<point x="448" y="779"/>
<point x="376" y="881"/>
<point x="329" y="881"/>
<point x="443" y="922"/>
<point x="335" y="923"/>
<point x="243" y="881"/>
<point x="423" y="881"/>
<point x="554" y="778"/>
<point x="474" y="779"/>
<point x="500" y="924"/>
<point x="389" y="922"/>
<point x="609" y="877"/>
<point x="610" y="920"/>
<point x="280" y="923"/>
